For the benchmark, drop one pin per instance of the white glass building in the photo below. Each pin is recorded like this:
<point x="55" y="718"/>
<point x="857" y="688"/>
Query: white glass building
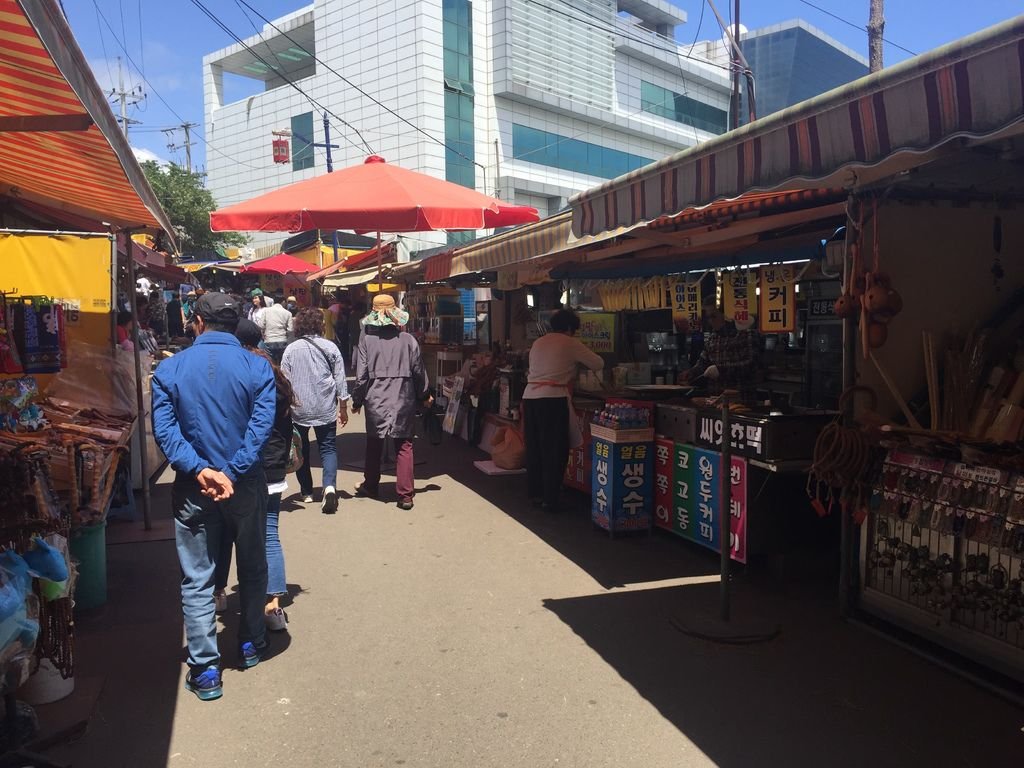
<point x="535" y="99"/>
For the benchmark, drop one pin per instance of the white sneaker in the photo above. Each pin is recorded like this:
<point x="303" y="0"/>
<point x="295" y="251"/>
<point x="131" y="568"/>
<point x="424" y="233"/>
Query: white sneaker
<point x="307" y="499"/>
<point x="220" y="602"/>
<point x="277" y="620"/>
<point x="329" y="504"/>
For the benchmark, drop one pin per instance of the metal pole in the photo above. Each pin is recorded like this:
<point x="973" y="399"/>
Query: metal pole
<point x="380" y="260"/>
<point x="849" y="378"/>
<point x="327" y="145"/>
<point x="113" y="291"/>
<point x="187" y="126"/>
<point x="736" y="68"/>
<point x="140" y="423"/>
<point x="725" y="514"/>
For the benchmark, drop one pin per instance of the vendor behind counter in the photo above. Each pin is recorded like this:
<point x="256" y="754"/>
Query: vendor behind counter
<point x="555" y="360"/>
<point x="730" y="358"/>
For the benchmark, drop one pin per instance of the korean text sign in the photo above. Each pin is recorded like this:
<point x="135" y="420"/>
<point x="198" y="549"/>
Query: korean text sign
<point x="686" y="303"/>
<point x="697" y="499"/>
<point x="664" y="477"/>
<point x="747" y="437"/>
<point x="597" y="331"/>
<point x="738" y="297"/>
<point x="622" y="485"/>
<point x="777" y="303"/>
<point x="683" y="520"/>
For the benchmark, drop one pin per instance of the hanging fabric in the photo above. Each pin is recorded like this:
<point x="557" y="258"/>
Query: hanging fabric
<point x="10" y="360"/>
<point x="37" y="333"/>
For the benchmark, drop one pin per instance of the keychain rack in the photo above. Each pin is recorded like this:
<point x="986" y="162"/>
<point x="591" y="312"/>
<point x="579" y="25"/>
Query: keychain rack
<point x="947" y="538"/>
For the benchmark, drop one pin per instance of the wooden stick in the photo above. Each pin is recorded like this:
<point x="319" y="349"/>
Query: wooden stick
<point x="895" y="393"/>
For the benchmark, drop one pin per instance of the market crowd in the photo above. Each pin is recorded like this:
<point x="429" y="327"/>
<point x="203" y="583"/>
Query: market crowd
<point x="233" y="413"/>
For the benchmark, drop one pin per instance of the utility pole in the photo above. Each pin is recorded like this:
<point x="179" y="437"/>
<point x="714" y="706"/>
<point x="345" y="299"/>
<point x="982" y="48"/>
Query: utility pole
<point x="327" y="144"/>
<point x="134" y="96"/>
<point x="876" y="26"/>
<point x="736" y="67"/>
<point x="186" y="145"/>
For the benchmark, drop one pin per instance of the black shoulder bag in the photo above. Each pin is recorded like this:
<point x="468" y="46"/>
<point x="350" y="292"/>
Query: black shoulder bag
<point x="330" y="363"/>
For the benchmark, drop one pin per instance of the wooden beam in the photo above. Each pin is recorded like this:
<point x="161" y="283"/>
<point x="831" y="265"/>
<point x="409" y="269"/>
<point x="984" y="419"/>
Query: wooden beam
<point x="44" y="123"/>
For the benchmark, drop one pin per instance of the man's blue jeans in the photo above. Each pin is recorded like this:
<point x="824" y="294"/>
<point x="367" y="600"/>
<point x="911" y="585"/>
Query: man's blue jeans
<point x="326" y="435"/>
<point x="200" y="526"/>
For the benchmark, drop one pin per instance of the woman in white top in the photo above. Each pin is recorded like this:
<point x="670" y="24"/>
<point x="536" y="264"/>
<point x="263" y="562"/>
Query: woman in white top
<point x="555" y="360"/>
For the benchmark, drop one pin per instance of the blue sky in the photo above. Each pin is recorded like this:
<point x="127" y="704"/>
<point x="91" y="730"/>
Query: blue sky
<point x="167" y="41"/>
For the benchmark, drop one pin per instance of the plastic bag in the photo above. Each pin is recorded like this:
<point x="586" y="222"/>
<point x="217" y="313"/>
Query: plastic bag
<point x="507" y="449"/>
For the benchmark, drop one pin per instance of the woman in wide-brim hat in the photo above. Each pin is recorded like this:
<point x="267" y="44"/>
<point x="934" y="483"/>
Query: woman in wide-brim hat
<point x="391" y="382"/>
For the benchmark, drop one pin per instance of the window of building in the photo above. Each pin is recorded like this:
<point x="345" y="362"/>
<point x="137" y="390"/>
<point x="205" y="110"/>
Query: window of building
<point x="302" y="141"/>
<point x="543" y="148"/>
<point x="682" y="109"/>
<point x="457" y="20"/>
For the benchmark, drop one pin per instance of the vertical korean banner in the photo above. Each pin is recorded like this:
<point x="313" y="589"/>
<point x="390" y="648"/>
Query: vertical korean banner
<point x="600" y="483"/>
<point x="738" y="298"/>
<point x="634" y="491"/>
<point x="738" y="509"/>
<point x="777" y="304"/>
<point x="664" y="462"/>
<point x="708" y="503"/>
<point x="683" y="489"/>
<point x="686" y="303"/>
<point x="622" y="482"/>
<point x="707" y="499"/>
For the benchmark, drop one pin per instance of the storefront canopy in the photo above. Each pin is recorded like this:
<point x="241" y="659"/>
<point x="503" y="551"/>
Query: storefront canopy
<point x="61" y="146"/>
<point x="871" y="129"/>
<point x="355" y="277"/>
<point x="354" y="261"/>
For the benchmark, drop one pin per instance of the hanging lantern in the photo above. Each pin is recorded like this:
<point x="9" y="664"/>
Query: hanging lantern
<point x="281" y="150"/>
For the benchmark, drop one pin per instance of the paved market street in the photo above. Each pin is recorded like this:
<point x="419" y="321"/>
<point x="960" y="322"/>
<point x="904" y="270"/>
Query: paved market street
<point x="476" y="631"/>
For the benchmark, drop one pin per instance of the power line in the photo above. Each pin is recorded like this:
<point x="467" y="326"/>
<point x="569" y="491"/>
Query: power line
<point x="164" y="101"/>
<point x="700" y="23"/>
<point x="142" y="45"/>
<point x="349" y="83"/>
<point x="224" y="27"/>
<point x="312" y="142"/>
<point x="854" y="25"/>
<point x="103" y="44"/>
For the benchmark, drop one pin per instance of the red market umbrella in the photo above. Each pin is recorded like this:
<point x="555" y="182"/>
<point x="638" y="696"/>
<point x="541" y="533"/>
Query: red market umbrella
<point x="282" y="264"/>
<point x="372" y="197"/>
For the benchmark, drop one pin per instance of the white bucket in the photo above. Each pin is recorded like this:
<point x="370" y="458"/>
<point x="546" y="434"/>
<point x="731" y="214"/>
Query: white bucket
<point x="46" y="685"/>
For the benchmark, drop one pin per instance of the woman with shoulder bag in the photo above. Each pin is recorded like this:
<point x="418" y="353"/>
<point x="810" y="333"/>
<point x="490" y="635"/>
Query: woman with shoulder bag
<point x="277" y="464"/>
<point x="316" y="370"/>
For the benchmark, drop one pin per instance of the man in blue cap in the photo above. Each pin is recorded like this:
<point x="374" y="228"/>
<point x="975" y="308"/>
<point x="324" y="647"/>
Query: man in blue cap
<point x="213" y="411"/>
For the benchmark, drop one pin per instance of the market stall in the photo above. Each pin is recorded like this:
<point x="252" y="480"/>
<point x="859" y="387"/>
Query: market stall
<point x="68" y="183"/>
<point x="923" y="472"/>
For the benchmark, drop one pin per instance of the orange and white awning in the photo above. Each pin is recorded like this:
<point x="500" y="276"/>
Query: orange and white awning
<point x="60" y="145"/>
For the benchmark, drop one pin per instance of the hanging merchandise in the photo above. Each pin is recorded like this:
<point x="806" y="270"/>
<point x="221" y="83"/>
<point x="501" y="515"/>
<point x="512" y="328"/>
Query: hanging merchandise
<point x="38" y="333"/>
<point x="738" y="298"/>
<point x="868" y="295"/>
<point x="776" y="312"/>
<point x="635" y="295"/>
<point x="10" y="359"/>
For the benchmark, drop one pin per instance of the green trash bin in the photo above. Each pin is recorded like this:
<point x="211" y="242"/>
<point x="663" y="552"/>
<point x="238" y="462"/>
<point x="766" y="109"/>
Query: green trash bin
<point x="89" y="550"/>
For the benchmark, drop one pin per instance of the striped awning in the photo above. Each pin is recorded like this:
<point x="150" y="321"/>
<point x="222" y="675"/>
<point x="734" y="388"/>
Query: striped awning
<point x="354" y="261"/>
<point x="352" y="278"/>
<point x="60" y="145"/>
<point x="520" y="244"/>
<point x="868" y="130"/>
